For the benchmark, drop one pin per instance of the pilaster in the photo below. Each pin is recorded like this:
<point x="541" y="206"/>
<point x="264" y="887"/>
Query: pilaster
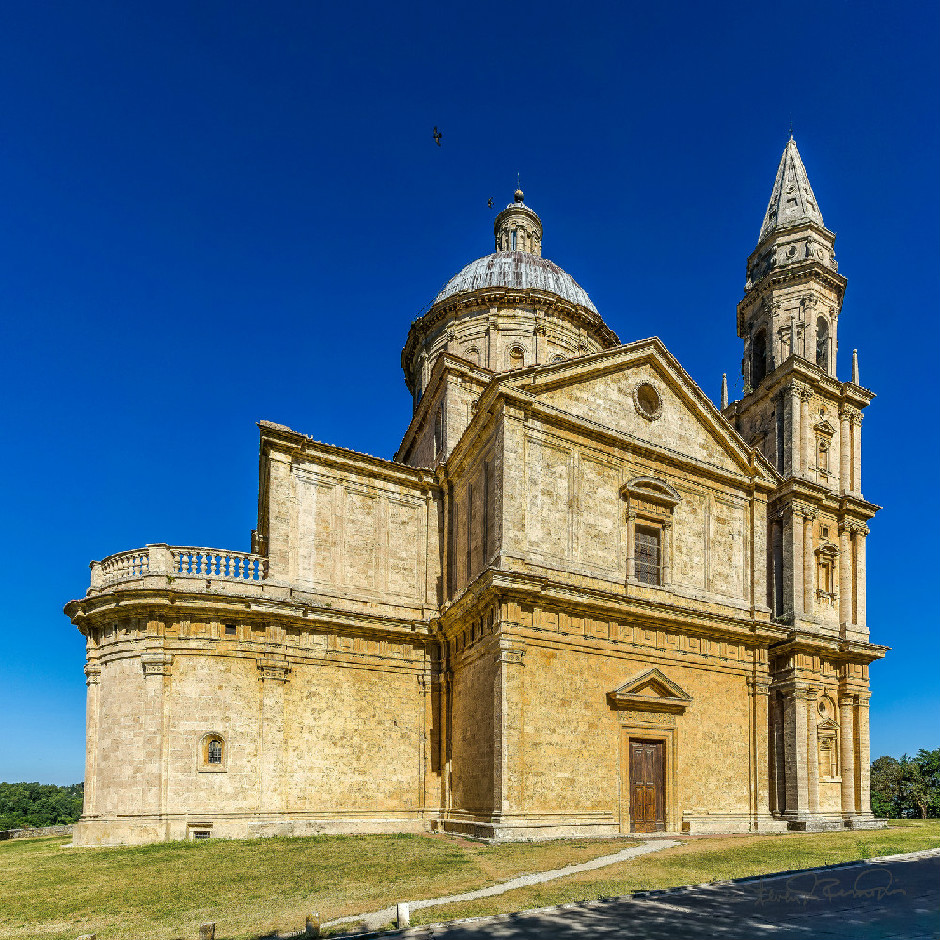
<point x="863" y="747"/>
<point x="795" y="739"/>
<point x="812" y="757"/>
<point x="845" y="579"/>
<point x="508" y="708"/>
<point x="847" y="727"/>
<point x="92" y="711"/>
<point x="157" y="668"/>
<point x="759" y="692"/>
<point x="273" y="673"/>
<point x="845" y="449"/>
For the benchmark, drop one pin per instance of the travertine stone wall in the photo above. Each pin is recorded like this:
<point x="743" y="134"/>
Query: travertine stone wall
<point x="473" y="727"/>
<point x="341" y="527"/>
<point x="469" y="646"/>
<point x="306" y="716"/>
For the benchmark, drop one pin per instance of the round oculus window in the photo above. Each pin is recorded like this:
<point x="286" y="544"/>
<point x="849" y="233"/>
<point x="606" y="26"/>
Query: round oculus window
<point x="826" y="707"/>
<point x="647" y="401"/>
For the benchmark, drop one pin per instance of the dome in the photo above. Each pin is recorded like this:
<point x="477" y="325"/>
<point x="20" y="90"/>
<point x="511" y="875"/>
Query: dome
<point x="519" y="270"/>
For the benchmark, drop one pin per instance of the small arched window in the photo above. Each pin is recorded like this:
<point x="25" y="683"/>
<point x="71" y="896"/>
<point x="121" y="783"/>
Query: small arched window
<point x="513" y="239"/>
<point x="212" y="752"/>
<point x="516" y="357"/>
<point x="473" y="355"/>
<point x="822" y="343"/>
<point x="758" y="358"/>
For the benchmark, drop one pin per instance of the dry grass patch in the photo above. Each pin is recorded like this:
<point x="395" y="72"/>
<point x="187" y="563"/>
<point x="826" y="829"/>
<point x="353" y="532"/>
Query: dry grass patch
<point x="250" y="887"/>
<point x="704" y="860"/>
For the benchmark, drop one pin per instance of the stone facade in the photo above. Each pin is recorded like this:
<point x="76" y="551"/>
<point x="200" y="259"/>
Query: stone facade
<point x="580" y="601"/>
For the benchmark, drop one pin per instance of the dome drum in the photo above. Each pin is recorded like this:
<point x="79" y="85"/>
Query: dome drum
<point x="512" y="307"/>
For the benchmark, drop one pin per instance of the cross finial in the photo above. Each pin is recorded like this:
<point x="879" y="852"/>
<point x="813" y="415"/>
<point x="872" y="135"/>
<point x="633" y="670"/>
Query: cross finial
<point x="791" y="127"/>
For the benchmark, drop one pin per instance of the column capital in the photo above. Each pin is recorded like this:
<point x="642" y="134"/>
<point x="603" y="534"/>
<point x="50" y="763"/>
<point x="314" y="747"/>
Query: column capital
<point x="156" y="663"/>
<point x="859" y="528"/>
<point x="511" y="651"/>
<point x="271" y="668"/>
<point x="92" y="674"/>
<point x="804" y="509"/>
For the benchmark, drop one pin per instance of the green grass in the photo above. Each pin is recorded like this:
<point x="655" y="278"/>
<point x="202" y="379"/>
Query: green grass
<point x="702" y="861"/>
<point x="250" y="887"/>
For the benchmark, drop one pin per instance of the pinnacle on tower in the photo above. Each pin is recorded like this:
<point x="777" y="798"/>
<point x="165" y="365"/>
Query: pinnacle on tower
<point x="792" y="200"/>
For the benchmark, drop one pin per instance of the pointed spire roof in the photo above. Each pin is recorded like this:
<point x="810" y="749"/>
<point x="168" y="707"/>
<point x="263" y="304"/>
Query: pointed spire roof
<point x="792" y="200"/>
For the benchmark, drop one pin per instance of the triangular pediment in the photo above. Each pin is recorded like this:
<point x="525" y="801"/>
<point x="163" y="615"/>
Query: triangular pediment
<point x="651" y="691"/>
<point x="640" y="391"/>
<point x="824" y="427"/>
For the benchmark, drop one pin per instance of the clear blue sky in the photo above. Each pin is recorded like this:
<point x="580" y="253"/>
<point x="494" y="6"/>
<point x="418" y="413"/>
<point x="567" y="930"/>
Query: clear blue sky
<point x="214" y="212"/>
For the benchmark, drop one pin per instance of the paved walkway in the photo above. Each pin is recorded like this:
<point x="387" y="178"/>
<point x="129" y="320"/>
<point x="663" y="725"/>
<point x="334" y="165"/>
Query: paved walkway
<point x="891" y="898"/>
<point x="377" y="919"/>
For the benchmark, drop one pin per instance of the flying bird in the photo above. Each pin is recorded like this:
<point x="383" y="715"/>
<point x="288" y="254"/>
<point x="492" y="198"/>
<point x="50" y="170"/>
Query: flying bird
<point x="489" y="203"/>
<point x="437" y="136"/>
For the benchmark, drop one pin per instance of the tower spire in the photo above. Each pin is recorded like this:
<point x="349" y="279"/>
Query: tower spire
<point x="792" y="201"/>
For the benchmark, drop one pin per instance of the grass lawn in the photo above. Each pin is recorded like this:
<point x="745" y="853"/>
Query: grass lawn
<point x="705" y="860"/>
<point x="251" y="888"/>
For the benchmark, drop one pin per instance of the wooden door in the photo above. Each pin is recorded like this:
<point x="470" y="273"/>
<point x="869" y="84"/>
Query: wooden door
<point x="647" y="786"/>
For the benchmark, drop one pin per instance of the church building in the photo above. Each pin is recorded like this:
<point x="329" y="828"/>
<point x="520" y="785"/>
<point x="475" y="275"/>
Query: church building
<point x="581" y="600"/>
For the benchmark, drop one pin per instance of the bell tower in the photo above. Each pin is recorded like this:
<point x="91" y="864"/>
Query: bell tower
<point x="800" y="416"/>
<point x="808" y="424"/>
<point x="793" y="293"/>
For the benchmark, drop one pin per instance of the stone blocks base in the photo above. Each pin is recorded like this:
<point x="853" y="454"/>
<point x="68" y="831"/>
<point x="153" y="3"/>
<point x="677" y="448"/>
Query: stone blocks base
<point x="531" y="828"/>
<point x="822" y="822"/>
<point x="721" y="823"/>
<point x="103" y="831"/>
<point x="865" y="821"/>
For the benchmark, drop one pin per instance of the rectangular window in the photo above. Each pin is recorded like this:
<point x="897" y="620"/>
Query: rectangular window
<point x="201" y="834"/>
<point x="230" y="629"/>
<point x="648" y="555"/>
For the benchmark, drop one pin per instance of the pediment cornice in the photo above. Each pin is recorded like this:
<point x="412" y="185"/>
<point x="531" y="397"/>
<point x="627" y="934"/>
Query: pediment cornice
<point x="651" y="691"/>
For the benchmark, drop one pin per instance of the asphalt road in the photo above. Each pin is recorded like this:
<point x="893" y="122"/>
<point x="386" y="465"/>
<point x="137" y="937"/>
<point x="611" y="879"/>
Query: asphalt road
<point x="896" y="898"/>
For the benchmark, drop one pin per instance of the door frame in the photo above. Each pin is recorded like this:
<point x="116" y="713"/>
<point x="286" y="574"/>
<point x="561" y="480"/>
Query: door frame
<point x="642" y="731"/>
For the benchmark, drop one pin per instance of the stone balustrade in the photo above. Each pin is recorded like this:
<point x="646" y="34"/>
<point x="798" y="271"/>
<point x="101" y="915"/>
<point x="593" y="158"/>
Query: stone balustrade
<point x="178" y="562"/>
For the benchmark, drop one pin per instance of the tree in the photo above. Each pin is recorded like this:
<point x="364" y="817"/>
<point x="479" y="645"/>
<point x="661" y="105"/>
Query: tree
<point x="905" y="788"/>
<point x="886" y="787"/>
<point x="39" y="804"/>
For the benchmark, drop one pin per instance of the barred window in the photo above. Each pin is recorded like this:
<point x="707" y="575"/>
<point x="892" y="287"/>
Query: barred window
<point x="214" y="751"/>
<point x="648" y="555"/>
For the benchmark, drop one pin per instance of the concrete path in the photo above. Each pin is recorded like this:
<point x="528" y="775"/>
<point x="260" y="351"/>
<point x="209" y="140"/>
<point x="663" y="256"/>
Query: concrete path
<point x="896" y="897"/>
<point x="377" y="919"/>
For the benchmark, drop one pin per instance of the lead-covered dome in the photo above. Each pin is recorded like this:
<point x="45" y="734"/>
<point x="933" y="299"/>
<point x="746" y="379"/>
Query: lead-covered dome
<point x="518" y="270"/>
<point x="507" y="310"/>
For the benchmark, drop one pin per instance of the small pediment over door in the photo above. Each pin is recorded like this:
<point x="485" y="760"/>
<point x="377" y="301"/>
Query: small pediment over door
<point x="650" y="691"/>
